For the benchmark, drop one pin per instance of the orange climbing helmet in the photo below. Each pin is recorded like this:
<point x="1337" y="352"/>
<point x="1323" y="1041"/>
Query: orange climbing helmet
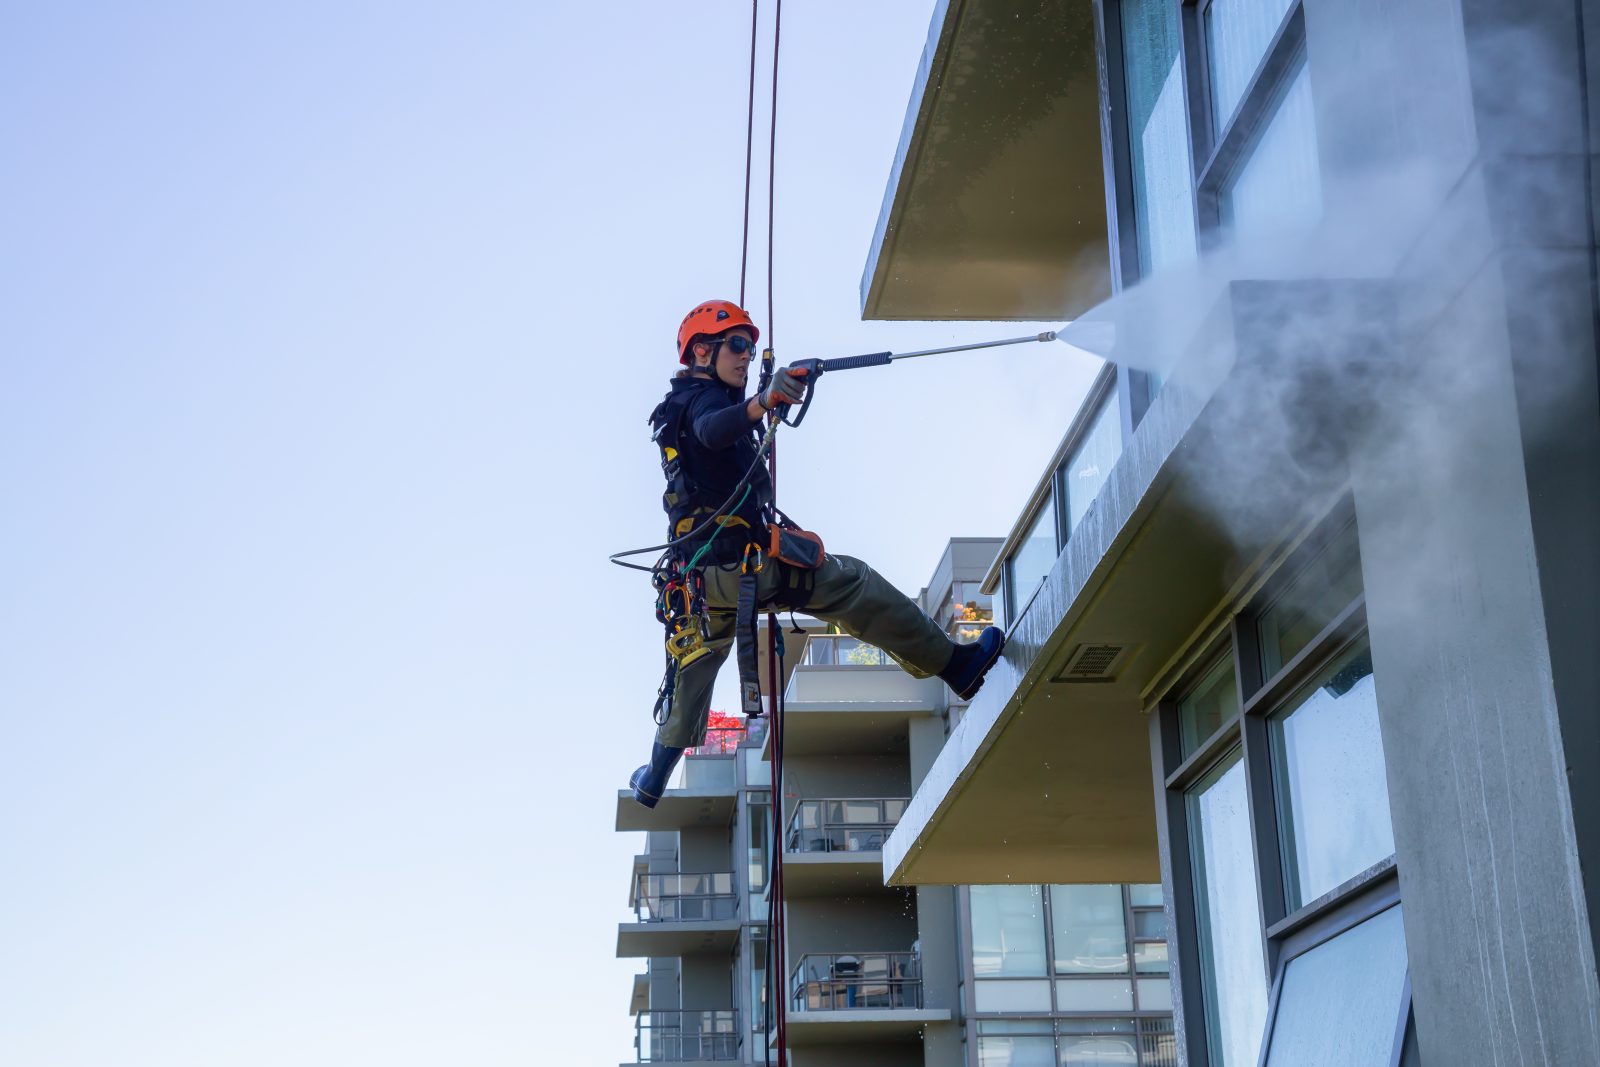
<point x="712" y="317"/>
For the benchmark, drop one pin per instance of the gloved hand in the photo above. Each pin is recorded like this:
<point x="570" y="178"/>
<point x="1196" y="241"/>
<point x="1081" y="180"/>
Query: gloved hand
<point x="788" y="386"/>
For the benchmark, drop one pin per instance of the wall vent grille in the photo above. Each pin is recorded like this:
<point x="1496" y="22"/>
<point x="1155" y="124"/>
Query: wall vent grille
<point x="1093" y="663"/>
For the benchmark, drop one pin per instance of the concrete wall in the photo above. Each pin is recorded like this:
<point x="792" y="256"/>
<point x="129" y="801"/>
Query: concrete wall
<point x="898" y="1054"/>
<point x="705" y="850"/>
<point x="1478" y="499"/>
<point x="707" y="982"/>
<point x="879" y="923"/>
<point x="816" y="777"/>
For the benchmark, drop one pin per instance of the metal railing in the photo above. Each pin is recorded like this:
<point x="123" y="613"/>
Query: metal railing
<point x="720" y="741"/>
<point x="843" y="824"/>
<point x="842" y="650"/>
<point x="673" y="898"/>
<point x="856" y="980"/>
<point x="679" y="1036"/>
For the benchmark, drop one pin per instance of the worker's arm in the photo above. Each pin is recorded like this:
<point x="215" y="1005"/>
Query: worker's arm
<point x="719" y="427"/>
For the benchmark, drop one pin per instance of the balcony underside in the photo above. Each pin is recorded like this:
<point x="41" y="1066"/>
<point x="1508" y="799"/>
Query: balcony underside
<point x="996" y="204"/>
<point x="1048" y="779"/>
<point x="807" y="1029"/>
<point x="808" y="875"/>
<point x="678" y="809"/>
<point x="643" y="940"/>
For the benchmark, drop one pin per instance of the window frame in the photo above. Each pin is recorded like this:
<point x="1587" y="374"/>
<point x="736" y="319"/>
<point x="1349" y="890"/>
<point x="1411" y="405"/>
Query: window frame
<point x="1284" y="934"/>
<point x="1218" y="151"/>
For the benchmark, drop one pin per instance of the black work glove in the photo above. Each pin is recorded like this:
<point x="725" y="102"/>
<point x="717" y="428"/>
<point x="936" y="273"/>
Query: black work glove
<point x="788" y="386"/>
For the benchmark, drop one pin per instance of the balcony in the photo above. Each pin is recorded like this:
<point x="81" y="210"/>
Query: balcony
<point x="687" y="1037"/>
<point x="849" y="696"/>
<point x="680" y="915"/>
<point x="858" y="997"/>
<point x="709" y="782"/>
<point x="834" y="846"/>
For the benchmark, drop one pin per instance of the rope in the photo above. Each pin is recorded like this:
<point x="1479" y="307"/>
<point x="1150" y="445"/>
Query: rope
<point x="772" y="171"/>
<point x="749" y="138"/>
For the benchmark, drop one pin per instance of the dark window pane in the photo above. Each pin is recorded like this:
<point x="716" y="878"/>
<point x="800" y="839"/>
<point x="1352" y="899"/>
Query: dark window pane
<point x="1310" y="602"/>
<point x="1033" y="557"/>
<point x="1214" y="701"/>
<point x="1152" y="924"/>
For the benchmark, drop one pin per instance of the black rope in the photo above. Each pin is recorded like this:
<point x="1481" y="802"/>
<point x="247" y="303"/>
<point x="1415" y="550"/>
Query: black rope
<point x="749" y="138"/>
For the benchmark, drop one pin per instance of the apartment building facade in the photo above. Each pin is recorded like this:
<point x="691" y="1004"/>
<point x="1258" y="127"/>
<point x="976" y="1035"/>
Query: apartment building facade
<point x="942" y="976"/>
<point x="1302" y="614"/>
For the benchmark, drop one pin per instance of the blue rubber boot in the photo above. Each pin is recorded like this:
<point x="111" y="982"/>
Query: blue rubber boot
<point x="650" y="781"/>
<point x="969" y="663"/>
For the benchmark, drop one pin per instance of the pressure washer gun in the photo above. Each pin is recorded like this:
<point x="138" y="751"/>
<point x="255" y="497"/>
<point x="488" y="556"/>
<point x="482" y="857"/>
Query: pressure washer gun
<point x="816" y="368"/>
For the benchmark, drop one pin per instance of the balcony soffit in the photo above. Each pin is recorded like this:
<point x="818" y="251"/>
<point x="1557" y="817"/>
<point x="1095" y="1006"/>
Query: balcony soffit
<point x="996" y="204"/>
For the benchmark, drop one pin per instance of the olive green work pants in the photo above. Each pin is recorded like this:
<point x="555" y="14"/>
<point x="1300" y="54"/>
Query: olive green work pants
<point x="845" y="591"/>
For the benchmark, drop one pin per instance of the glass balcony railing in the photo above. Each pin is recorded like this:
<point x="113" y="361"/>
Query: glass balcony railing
<point x="721" y="741"/>
<point x="969" y="611"/>
<point x="676" y="898"/>
<point x="680" y="1036"/>
<point x="842" y="650"/>
<point x="843" y="825"/>
<point x="865" y="980"/>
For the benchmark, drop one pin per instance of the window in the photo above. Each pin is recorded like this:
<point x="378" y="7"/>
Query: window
<point x="1227" y="909"/>
<point x="1158" y="136"/>
<point x="1279" y="184"/>
<point x="1091" y="459"/>
<point x="1007" y="931"/>
<point x="1342" y="1002"/>
<point x="1213" y="702"/>
<point x="1089" y="934"/>
<point x="1016" y="1043"/>
<point x="1312" y="600"/>
<point x="759" y="817"/>
<point x="1032" y="559"/>
<point x="1328" y="768"/>
<point x="758" y="979"/>
<point x="1282" y="847"/>
<point x="1238" y="33"/>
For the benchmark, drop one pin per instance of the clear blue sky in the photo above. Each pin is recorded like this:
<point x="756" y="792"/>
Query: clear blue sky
<point x="327" y="334"/>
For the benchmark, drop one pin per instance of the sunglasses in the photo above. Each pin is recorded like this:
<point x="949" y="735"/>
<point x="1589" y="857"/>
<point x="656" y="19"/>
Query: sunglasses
<point x="739" y="343"/>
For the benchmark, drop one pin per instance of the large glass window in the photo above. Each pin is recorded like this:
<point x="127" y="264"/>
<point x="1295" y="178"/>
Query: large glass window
<point x="1238" y="33"/>
<point x="1213" y="702"/>
<point x="1158" y="138"/>
<point x="1033" y="558"/>
<point x="1016" y="1043"/>
<point x="1007" y="931"/>
<point x="1341" y="1002"/>
<point x="1279" y="184"/>
<point x="1090" y="462"/>
<point x="759" y="816"/>
<point x="758" y="980"/>
<point x="1087" y="921"/>
<point x="1329" y="771"/>
<point x="1099" y="1043"/>
<point x="1227" y="908"/>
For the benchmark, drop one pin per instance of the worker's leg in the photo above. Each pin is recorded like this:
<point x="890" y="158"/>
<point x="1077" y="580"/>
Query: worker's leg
<point x="691" y="701"/>
<point x="848" y="592"/>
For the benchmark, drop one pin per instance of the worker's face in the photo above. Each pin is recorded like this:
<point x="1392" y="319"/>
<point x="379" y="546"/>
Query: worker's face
<point x="732" y="368"/>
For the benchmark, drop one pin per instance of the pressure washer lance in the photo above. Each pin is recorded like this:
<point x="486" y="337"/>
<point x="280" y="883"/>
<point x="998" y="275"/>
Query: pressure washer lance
<point x="815" y="368"/>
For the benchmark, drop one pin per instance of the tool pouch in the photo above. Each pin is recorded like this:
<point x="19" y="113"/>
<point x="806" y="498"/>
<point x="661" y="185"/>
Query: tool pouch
<point x="796" y="547"/>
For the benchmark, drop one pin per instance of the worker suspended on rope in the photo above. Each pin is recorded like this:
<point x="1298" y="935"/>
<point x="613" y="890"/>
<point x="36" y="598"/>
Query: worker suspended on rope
<point x="731" y="553"/>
